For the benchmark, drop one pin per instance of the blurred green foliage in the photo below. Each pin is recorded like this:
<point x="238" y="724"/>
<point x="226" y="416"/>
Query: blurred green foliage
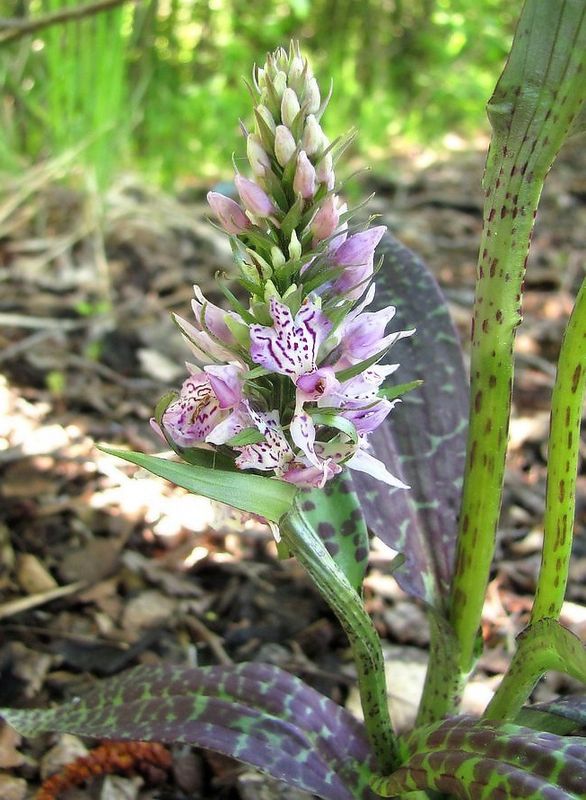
<point x="158" y="85"/>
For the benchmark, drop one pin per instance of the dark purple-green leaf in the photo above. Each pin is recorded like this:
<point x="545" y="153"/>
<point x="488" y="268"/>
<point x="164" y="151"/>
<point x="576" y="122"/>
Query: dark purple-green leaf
<point x="563" y="716"/>
<point x="256" y="713"/>
<point x="470" y="759"/>
<point x="424" y="439"/>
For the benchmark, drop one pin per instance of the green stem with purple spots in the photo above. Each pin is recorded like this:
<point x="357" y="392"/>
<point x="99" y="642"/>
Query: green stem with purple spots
<point x="562" y="466"/>
<point x="537" y="100"/>
<point x="308" y="548"/>
<point x="542" y="646"/>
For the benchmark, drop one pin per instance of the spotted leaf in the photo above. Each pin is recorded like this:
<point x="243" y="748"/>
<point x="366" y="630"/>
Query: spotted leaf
<point x="334" y="513"/>
<point x="470" y="759"/>
<point x="256" y="713"/>
<point x="424" y="440"/>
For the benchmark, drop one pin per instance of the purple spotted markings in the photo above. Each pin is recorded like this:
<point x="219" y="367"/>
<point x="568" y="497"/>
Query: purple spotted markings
<point x="289" y="383"/>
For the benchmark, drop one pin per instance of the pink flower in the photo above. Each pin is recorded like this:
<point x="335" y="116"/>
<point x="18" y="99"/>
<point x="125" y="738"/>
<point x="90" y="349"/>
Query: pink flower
<point x="285" y="145"/>
<point x="219" y="343"/>
<point x="364" y="336"/>
<point x="255" y="199"/>
<point x="311" y="476"/>
<point x="326" y="220"/>
<point x="304" y="180"/>
<point x="230" y="216"/>
<point x="356" y="256"/>
<point x="203" y="403"/>
<point x="212" y="317"/>
<point x="274" y="453"/>
<point x="290" y="348"/>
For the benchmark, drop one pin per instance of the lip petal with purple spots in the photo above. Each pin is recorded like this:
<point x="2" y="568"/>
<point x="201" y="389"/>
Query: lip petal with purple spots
<point x="290" y="345"/>
<point x="195" y="413"/>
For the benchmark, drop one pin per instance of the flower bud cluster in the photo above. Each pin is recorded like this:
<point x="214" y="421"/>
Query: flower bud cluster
<point x="289" y="383"/>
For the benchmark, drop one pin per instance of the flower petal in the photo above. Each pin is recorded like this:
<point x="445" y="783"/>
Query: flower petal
<point x="204" y="348"/>
<point x="317" y="385"/>
<point x="367" y="418"/>
<point x="238" y="420"/>
<point x="364" y="462"/>
<point x="226" y="382"/>
<point x="212" y="317"/>
<point x="290" y="346"/>
<point x="195" y="413"/>
<point x="311" y="477"/>
<point x="302" y="431"/>
<point x="274" y="453"/>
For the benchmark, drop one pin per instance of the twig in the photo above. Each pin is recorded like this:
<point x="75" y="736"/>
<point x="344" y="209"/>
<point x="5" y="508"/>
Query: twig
<point x="13" y="607"/>
<point x="211" y="639"/>
<point x="18" y="28"/>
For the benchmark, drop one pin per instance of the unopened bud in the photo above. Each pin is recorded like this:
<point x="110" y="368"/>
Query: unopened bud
<point x="231" y="217"/>
<point x="304" y="180"/>
<point x="282" y="58"/>
<point x="294" y="247"/>
<point x="326" y="220"/>
<point x="277" y="257"/>
<point x="257" y="156"/>
<point x="295" y="74"/>
<point x="270" y="292"/>
<point x="289" y="107"/>
<point x="266" y="116"/>
<point x="325" y="170"/>
<point x="312" y="139"/>
<point x="311" y="99"/>
<point x="261" y="78"/>
<point x="280" y="83"/>
<point x="264" y="269"/>
<point x="284" y="145"/>
<point x="256" y="200"/>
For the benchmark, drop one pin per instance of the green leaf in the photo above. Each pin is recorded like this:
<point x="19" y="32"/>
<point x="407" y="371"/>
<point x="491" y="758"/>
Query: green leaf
<point x="392" y="392"/>
<point x="292" y="218"/>
<point x="247" y="436"/>
<point x="256" y="372"/>
<point x="334" y="514"/>
<point x="240" y="331"/>
<point x="356" y="369"/>
<point x="265" y="133"/>
<point x="308" y="546"/>
<point x="236" y="304"/>
<point x="266" y="497"/>
<point x="332" y="418"/>
<point x="163" y="405"/>
<point x="321" y="276"/>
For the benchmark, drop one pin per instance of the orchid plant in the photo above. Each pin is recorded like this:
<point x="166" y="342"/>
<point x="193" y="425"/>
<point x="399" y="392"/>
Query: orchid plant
<point x="291" y="411"/>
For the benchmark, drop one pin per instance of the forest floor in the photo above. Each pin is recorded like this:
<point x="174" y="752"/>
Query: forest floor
<point x="103" y="566"/>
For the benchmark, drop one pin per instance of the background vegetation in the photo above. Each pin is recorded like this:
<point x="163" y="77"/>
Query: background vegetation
<point x="157" y="85"/>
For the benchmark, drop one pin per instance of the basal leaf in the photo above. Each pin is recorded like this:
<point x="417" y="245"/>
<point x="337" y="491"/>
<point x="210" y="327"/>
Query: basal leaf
<point x="423" y="441"/>
<point x="334" y="513"/>
<point x="256" y="713"/>
<point x="266" y="497"/>
<point x="471" y="759"/>
<point x="566" y="715"/>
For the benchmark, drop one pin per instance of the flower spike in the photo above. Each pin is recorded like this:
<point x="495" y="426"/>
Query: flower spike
<point x="287" y="383"/>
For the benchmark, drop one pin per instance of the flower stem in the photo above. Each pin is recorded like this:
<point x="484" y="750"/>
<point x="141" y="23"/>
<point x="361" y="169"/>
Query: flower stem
<point x="564" y="441"/>
<point x="536" y="102"/>
<point x="310" y="551"/>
